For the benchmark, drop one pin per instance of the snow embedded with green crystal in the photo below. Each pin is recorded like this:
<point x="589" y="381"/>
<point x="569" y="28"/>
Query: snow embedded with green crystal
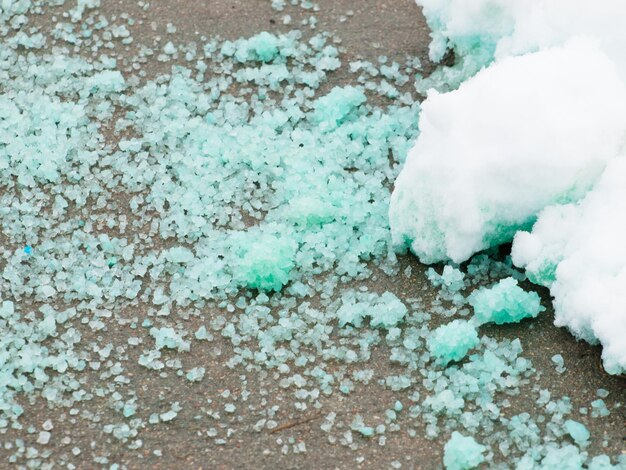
<point x="482" y="31"/>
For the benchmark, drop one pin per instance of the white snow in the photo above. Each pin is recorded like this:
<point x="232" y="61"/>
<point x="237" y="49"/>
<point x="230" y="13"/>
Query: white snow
<point x="525" y="133"/>
<point x="584" y="245"/>
<point x="531" y="133"/>
<point x="514" y="27"/>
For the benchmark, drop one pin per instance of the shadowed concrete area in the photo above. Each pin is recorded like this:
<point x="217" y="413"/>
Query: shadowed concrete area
<point x="368" y="29"/>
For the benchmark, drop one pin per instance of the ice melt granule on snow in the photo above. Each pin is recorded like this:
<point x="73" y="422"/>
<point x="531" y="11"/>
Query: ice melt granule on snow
<point x="578" y="250"/>
<point x="525" y="133"/>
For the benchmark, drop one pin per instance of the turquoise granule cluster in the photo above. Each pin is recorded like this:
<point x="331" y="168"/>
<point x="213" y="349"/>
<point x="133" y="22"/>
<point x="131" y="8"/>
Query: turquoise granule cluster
<point x="462" y="453"/>
<point x="452" y="341"/>
<point x="505" y="302"/>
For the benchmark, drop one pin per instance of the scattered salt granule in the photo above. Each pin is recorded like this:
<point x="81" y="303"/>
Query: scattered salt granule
<point x="451" y="278"/>
<point x="558" y="361"/>
<point x="567" y="457"/>
<point x="599" y="409"/>
<point x="359" y="426"/>
<point x="602" y="393"/>
<point x="44" y="437"/>
<point x="171" y="413"/>
<point x="196" y="374"/>
<point x="384" y="311"/>
<point x="578" y="432"/>
<point x="167" y="337"/>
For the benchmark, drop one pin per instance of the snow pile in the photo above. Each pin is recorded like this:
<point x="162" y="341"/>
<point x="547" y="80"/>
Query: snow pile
<point x="536" y="128"/>
<point x="578" y="251"/>
<point x="506" y="144"/>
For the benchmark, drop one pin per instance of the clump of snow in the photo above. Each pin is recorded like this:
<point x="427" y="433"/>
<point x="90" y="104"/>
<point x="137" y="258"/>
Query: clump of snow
<point x="506" y="144"/>
<point x="483" y="30"/>
<point x="578" y="251"/>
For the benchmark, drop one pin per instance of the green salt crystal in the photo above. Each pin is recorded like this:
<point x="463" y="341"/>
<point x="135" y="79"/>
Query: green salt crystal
<point x="179" y="254"/>
<point x="578" y="431"/>
<point x="129" y="409"/>
<point x="388" y="312"/>
<point x="264" y="45"/>
<point x="599" y="408"/>
<point x="462" y="453"/>
<point x="505" y="302"/>
<point x="603" y="462"/>
<point x="196" y="374"/>
<point x="567" y="457"/>
<point x="452" y="341"/>
<point x="384" y="311"/>
<point x="359" y="426"/>
<point x="451" y="278"/>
